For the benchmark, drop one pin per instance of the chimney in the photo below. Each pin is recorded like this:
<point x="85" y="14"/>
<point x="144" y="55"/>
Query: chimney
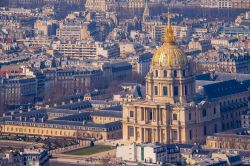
<point x="34" y="119"/>
<point x="4" y="115"/>
<point x="42" y="119"/>
<point x="63" y="103"/>
<point x="79" y="100"/>
<point x="12" y="113"/>
<point x="11" y="117"/>
<point x="20" y="111"/>
<point x="47" y="106"/>
<point x="55" y="105"/>
<point x="71" y="101"/>
<point x="29" y="109"/>
<point x="20" y="118"/>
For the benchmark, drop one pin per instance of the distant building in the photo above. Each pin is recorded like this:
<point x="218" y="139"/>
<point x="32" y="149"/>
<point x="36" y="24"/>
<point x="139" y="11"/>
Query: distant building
<point x="236" y="31"/>
<point x="19" y="90"/>
<point x="245" y="120"/>
<point x="238" y="139"/>
<point x="156" y="30"/>
<point x="74" y="79"/>
<point x="201" y="45"/>
<point x="34" y="157"/>
<point x="228" y="63"/>
<point x="228" y="42"/>
<point x="45" y="28"/>
<point x="226" y="4"/>
<point x="141" y="63"/>
<point x="106" y="116"/>
<point x="243" y="19"/>
<point x="76" y="49"/>
<point x="78" y="126"/>
<point x="100" y="5"/>
<point x="107" y="49"/>
<point x="149" y="153"/>
<point x="133" y="4"/>
<point x="130" y="47"/>
<point x="76" y="30"/>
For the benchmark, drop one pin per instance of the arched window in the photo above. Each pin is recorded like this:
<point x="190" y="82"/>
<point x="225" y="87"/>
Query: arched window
<point x="165" y="73"/>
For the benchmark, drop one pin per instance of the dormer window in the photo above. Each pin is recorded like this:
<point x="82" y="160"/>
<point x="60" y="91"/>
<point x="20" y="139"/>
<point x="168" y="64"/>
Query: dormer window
<point x="204" y="112"/>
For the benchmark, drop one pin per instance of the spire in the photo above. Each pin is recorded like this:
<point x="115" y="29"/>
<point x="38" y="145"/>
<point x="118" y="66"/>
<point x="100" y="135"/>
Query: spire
<point x="146" y="12"/>
<point x="169" y="19"/>
<point x="169" y="33"/>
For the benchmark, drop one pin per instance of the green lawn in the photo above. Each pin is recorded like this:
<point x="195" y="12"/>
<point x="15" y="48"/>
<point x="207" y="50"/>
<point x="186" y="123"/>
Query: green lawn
<point x="90" y="150"/>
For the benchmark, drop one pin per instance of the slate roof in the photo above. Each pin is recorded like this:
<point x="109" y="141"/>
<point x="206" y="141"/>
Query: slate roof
<point x="224" y="88"/>
<point x="107" y="113"/>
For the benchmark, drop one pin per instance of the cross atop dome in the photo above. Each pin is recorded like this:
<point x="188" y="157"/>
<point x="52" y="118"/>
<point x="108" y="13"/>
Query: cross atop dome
<point x="169" y="32"/>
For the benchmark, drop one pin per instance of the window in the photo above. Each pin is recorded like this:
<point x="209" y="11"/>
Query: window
<point x="174" y="116"/>
<point x="186" y="90"/>
<point x="156" y="73"/>
<point x="156" y="90"/>
<point x="131" y="114"/>
<point x="204" y="112"/>
<point x="215" y="128"/>
<point x="190" y="116"/>
<point x="205" y="130"/>
<point x="175" y="73"/>
<point x="174" y="135"/>
<point x="190" y="134"/>
<point x="131" y="131"/>
<point x="184" y="73"/>
<point x="165" y="73"/>
<point x="165" y="91"/>
<point x="150" y="115"/>
<point x="176" y="91"/>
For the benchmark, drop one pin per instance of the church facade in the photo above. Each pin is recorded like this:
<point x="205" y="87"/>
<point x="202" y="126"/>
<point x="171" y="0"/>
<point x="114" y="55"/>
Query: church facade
<point x="170" y="113"/>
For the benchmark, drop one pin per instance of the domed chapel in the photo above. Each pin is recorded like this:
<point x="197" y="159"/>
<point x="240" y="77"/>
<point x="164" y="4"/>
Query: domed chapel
<point x="169" y="113"/>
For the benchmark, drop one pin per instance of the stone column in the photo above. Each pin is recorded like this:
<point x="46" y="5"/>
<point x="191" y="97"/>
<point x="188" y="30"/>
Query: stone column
<point x="145" y="135"/>
<point x="135" y="133"/>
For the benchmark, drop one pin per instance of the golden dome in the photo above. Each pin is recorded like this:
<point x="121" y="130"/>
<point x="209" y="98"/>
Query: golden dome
<point x="169" y="54"/>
